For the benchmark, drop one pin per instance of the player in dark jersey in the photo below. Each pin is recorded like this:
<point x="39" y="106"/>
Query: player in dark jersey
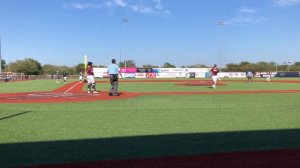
<point x="214" y="74"/>
<point x="65" y="75"/>
<point x="91" y="78"/>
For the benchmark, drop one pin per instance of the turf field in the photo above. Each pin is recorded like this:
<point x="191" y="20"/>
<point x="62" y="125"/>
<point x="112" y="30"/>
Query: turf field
<point x="148" y="126"/>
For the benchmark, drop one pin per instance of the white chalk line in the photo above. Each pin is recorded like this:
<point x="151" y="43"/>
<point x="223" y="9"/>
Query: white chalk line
<point x="72" y="87"/>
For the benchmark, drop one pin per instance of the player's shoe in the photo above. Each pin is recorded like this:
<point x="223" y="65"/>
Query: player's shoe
<point x="89" y="92"/>
<point x="95" y="92"/>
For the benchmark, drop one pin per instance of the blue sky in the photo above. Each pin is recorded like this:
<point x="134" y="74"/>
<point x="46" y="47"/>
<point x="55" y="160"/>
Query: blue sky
<point x="181" y="32"/>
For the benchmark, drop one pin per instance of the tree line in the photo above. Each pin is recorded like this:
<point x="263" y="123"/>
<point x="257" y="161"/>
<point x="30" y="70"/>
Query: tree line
<point x="29" y="66"/>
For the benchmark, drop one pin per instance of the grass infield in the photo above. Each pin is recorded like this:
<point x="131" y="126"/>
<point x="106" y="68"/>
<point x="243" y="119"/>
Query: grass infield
<point x="147" y="126"/>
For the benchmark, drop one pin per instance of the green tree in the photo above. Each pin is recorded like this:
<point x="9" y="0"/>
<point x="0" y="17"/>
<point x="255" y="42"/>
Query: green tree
<point x="295" y="67"/>
<point x="168" y="65"/>
<point x="129" y="64"/>
<point x="79" y="67"/>
<point x="50" y="69"/>
<point x="232" y="68"/>
<point x="149" y="66"/>
<point x="195" y="66"/>
<point x="27" y="66"/>
<point x="261" y="66"/>
<point x="3" y="63"/>
<point x="244" y="66"/>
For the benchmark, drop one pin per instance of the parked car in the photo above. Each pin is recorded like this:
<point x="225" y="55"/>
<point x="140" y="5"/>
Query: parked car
<point x="5" y="78"/>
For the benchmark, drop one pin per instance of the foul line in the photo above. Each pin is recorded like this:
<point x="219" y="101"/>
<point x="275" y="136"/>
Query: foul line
<point x="72" y="87"/>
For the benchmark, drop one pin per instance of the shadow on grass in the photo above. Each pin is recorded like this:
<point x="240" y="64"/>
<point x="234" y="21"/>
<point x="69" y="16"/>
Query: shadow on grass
<point x="15" y="115"/>
<point x="118" y="148"/>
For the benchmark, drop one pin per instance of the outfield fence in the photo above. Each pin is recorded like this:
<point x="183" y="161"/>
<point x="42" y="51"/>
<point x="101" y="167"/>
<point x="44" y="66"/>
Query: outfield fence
<point x="9" y="76"/>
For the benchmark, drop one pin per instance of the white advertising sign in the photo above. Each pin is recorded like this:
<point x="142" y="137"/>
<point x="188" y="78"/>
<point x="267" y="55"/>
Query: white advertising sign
<point x="140" y="75"/>
<point x="165" y="75"/>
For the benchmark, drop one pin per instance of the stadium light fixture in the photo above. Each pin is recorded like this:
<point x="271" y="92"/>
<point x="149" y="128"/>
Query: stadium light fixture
<point x="220" y="23"/>
<point x="125" y="20"/>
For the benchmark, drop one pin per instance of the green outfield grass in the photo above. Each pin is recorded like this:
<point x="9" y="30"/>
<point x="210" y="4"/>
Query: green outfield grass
<point x="30" y="86"/>
<point x="230" y="85"/>
<point x="147" y="126"/>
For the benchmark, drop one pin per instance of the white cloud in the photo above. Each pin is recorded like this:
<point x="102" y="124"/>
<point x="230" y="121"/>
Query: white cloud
<point x="245" y="15"/>
<point x="115" y="3"/>
<point x="246" y="10"/>
<point x="245" y="20"/>
<point x="82" y="5"/>
<point x="285" y="3"/>
<point x="142" y="9"/>
<point x="139" y="6"/>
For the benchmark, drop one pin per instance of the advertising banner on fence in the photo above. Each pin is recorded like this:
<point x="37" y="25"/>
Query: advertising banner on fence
<point x="265" y="74"/>
<point x="128" y="70"/>
<point x="151" y="75"/>
<point x="165" y="75"/>
<point x="198" y="69"/>
<point x="200" y="74"/>
<point x="128" y="75"/>
<point x="101" y="75"/>
<point x="163" y="70"/>
<point x="288" y="74"/>
<point x="160" y="70"/>
<point x="232" y="74"/>
<point x="144" y="70"/>
<point x="99" y="70"/>
<point x="182" y="75"/>
<point x="140" y="75"/>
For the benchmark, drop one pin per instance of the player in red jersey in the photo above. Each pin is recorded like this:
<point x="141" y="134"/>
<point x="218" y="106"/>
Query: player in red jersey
<point x="90" y="78"/>
<point x="214" y="74"/>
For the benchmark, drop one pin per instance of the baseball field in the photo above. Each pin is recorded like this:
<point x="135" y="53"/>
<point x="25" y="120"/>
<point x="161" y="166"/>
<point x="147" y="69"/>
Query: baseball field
<point x="153" y="123"/>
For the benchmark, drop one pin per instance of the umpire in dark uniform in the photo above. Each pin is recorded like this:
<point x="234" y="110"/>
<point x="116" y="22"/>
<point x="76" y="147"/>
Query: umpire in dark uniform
<point x="113" y="70"/>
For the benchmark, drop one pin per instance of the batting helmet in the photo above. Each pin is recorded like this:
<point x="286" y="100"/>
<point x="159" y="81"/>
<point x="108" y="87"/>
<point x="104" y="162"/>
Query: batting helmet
<point x="90" y="63"/>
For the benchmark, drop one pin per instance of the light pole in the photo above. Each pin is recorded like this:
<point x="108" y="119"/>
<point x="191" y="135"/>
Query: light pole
<point x="220" y="24"/>
<point x="125" y="20"/>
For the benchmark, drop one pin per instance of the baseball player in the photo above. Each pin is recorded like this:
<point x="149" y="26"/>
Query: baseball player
<point x="65" y="75"/>
<point x="80" y="76"/>
<point x="57" y="76"/>
<point x="249" y="75"/>
<point x="214" y="75"/>
<point x="90" y="78"/>
<point x="268" y="76"/>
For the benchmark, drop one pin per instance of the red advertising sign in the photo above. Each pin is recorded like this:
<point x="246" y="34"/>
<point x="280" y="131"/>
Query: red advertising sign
<point x="151" y="75"/>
